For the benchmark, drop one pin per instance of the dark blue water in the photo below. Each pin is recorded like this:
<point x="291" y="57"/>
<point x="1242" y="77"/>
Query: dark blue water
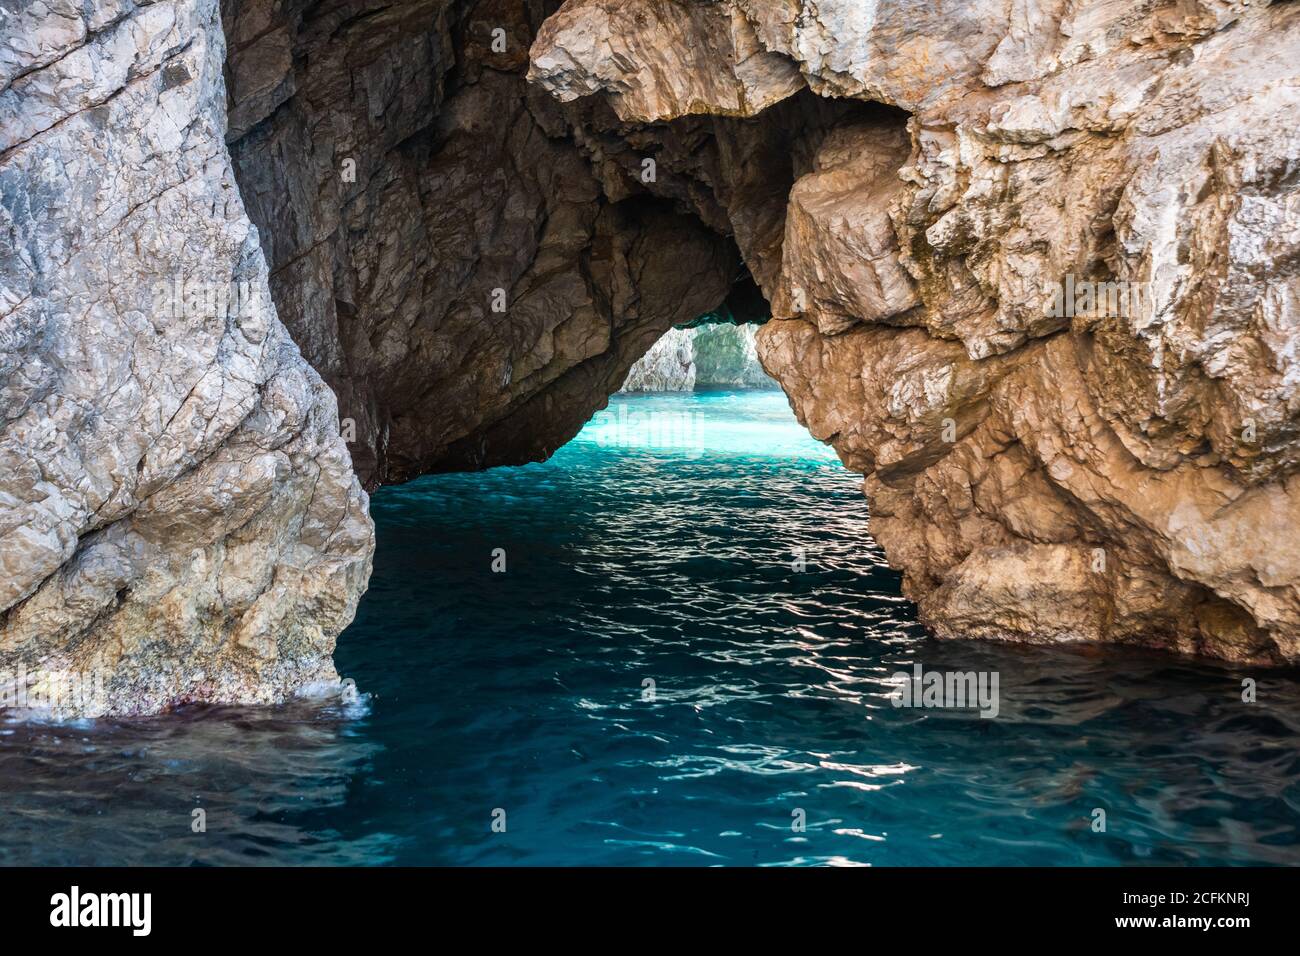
<point x="660" y="546"/>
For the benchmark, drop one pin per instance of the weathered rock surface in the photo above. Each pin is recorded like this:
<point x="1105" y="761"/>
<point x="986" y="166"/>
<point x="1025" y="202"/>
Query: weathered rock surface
<point x="179" y="520"/>
<point x="440" y="245"/>
<point x="659" y="61"/>
<point x="1042" y="467"/>
<point x="726" y="356"/>
<point x="472" y="261"/>
<point x="179" y="508"/>
<point x="669" y="366"/>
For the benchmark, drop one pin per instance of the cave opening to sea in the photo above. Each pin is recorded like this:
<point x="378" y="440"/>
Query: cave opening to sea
<point x="688" y="651"/>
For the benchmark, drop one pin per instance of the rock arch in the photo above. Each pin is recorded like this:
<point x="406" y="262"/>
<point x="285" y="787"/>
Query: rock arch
<point x="465" y="249"/>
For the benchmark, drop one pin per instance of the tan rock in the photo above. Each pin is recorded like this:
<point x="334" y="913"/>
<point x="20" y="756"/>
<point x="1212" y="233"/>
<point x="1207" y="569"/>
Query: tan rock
<point x="1056" y="328"/>
<point x="840" y="257"/>
<point x="660" y="59"/>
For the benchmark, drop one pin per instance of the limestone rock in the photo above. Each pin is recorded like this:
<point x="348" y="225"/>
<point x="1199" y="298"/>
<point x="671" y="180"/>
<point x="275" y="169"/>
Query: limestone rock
<point x="178" y="507"/>
<point x="726" y="356"/>
<point x="840" y="258"/>
<point x="1031" y="266"/>
<point x="712" y="355"/>
<point x="441" y="248"/>
<point x="669" y="366"/>
<point x="179" y="520"/>
<point x="658" y="61"/>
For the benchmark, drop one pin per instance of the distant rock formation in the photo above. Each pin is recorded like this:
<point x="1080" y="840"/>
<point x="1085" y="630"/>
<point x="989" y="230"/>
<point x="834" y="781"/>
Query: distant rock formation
<point x="726" y="356"/>
<point x="719" y="355"/>
<point x="669" y="366"/>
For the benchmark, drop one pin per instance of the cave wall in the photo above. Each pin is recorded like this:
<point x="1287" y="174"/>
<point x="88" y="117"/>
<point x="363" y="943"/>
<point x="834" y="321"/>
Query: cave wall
<point x="215" y="219"/>
<point x="207" y="209"/>
<point x="401" y="171"/>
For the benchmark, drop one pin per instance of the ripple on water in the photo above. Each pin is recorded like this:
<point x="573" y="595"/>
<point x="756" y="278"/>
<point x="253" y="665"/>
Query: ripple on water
<point x="632" y="558"/>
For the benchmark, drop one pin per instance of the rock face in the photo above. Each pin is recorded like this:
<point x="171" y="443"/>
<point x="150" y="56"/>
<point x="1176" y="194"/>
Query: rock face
<point x="714" y="355"/>
<point x="669" y="366"/>
<point x="441" y="247"/>
<point x="726" y="356"/>
<point x="179" y="516"/>
<point x="662" y="60"/>
<point x="179" y="520"/>
<point x="1047" y="304"/>
<point x="1031" y="267"/>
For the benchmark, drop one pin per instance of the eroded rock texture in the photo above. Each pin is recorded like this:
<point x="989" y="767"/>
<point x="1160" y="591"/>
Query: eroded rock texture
<point x="669" y="366"/>
<point x="441" y="247"/>
<point x="726" y="356"/>
<point x="179" y="506"/>
<point x="179" y="520"/>
<point x="1041" y="467"/>
<point x="472" y="241"/>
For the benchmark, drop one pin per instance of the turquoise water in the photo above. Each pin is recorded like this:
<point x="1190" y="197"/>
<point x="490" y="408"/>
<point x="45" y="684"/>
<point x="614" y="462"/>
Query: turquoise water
<point x="660" y="546"/>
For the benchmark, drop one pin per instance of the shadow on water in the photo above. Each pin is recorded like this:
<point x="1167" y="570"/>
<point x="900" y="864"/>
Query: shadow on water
<point x="693" y="642"/>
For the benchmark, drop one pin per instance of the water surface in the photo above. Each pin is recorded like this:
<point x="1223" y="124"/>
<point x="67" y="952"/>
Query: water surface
<point x="664" y="545"/>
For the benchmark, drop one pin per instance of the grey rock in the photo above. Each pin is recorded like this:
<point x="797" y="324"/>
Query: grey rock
<point x="669" y="366"/>
<point x="712" y="355"/>
<point x="179" y="520"/>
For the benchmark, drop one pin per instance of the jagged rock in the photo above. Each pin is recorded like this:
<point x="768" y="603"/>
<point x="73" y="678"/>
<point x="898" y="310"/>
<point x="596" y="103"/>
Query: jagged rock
<point x="669" y="366"/>
<point x="684" y="58"/>
<point x="179" y="520"/>
<point x="1117" y="465"/>
<point x="178" y="507"/>
<point x="839" y="256"/>
<point x="726" y="356"/>
<point x="473" y="263"/>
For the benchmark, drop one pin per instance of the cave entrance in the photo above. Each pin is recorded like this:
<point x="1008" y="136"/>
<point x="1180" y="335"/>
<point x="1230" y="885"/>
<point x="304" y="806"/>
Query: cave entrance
<point x="716" y="351"/>
<point x="699" y="392"/>
<point x="472" y="267"/>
